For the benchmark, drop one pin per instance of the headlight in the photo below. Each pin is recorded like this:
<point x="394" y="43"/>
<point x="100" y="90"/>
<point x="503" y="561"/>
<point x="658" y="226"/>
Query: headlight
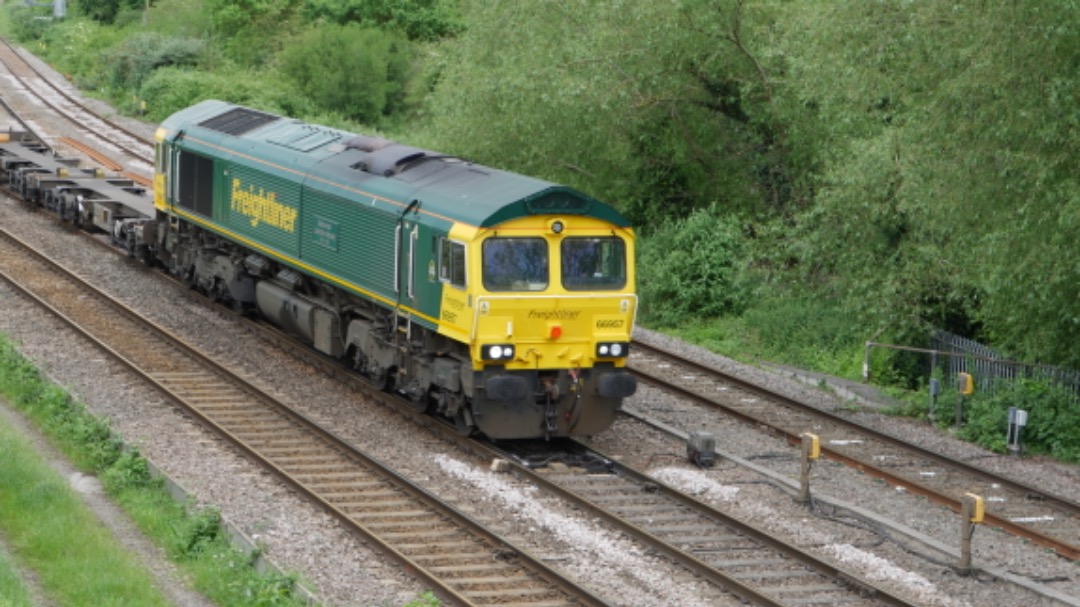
<point x="616" y="349"/>
<point x="497" y="352"/>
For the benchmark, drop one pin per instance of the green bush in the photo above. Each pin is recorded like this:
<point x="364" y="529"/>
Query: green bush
<point x="428" y="20"/>
<point x="197" y="534"/>
<point x="128" y="471"/>
<point x="370" y="74"/>
<point x="172" y="88"/>
<point x="132" y="61"/>
<point x="1053" y="426"/>
<point x="27" y="22"/>
<point x="691" y="268"/>
<point x="106" y="11"/>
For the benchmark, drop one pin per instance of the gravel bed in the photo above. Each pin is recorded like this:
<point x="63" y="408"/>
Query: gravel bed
<point x="344" y="571"/>
<point x="991" y="548"/>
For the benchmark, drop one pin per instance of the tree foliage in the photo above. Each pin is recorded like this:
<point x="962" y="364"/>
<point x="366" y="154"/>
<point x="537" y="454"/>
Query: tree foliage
<point x="253" y="31"/>
<point x="648" y="105"/>
<point x="106" y="11"/>
<point x="423" y="20"/>
<point x="364" y="73"/>
<point x="947" y="136"/>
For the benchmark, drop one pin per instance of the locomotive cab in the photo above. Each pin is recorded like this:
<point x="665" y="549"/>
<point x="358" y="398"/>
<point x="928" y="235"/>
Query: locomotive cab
<point x="551" y="318"/>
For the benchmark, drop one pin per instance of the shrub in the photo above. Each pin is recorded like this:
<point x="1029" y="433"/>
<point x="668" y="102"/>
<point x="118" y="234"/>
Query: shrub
<point x="27" y="22"/>
<point x="132" y="61"/>
<point x="1053" y="426"/>
<point x="170" y="89"/>
<point x="692" y="267"/>
<point x="427" y="20"/>
<point x="369" y="77"/>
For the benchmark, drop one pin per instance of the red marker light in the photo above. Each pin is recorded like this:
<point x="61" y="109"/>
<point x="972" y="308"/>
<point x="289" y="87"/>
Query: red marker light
<point x="556" y="332"/>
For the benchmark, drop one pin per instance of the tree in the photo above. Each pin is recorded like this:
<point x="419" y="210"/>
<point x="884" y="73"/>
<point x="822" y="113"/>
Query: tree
<point x="948" y="189"/>
<point x="105" y="11"/>
<point x="252" y="31"/>
<point x="649" y="105"/>
<point x="419" y="20"/>
<point x="369" y="75"/>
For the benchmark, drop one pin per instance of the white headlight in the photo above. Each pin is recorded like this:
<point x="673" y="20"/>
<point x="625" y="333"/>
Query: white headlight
<point x="496" y="351"/>
<point x="616" y="349"/>
<point x="508" y="351"/>
<point x="603" y="349"/>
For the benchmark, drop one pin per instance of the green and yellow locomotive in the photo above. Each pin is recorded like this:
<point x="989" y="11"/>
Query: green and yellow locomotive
<point x="503" y="302"/>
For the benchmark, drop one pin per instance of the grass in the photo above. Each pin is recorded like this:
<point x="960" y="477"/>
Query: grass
<point x="46" y="540"/>
<point x="77" y="561"/>
<point x="13" y="593"/>
<point x="50" y="531"/>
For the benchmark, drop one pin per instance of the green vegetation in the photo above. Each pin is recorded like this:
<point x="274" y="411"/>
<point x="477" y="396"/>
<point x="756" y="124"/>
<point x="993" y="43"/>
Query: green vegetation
<point x="869" y="169"/>
<point x="13" y="592"/>
<point x="76" y="558"/>
<point x="1053" y="426"/>
<point x="51" y="532"/>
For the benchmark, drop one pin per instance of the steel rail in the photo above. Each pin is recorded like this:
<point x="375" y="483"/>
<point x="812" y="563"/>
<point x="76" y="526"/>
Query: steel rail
<point x="8" y="47"/>
<point x="1062" y="548"/>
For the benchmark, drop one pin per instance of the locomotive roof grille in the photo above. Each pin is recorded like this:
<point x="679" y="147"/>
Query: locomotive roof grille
<point x="307" y="138"/>
<point x="238" y="121"/>
<point x="367" y="143"/>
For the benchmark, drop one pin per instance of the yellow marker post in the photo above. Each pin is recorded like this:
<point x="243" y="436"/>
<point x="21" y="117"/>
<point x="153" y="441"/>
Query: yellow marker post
<point x="972" y="512"/>
<point x="811" y="450"/>
<point x="965" y="386"/>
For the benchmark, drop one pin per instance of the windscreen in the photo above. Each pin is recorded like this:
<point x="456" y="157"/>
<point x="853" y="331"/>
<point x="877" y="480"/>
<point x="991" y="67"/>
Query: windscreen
<point x="515" y="264"/>
<point x="593" y="263"/>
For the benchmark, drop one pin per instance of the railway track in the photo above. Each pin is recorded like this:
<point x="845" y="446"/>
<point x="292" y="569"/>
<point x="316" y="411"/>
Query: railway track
<point x="709" y="545"/>
<point x="752" y="564"/>
<point x="90" y="129"/>
<point x="466" y="563"/>
<point x="1023" y="510"/>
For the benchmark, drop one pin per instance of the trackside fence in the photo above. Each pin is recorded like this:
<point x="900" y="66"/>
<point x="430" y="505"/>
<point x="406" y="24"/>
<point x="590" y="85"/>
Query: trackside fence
<point x="953" y="354"/>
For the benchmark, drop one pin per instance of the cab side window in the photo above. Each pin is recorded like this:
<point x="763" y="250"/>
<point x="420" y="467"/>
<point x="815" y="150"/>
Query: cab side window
<point x="452" y="262"/>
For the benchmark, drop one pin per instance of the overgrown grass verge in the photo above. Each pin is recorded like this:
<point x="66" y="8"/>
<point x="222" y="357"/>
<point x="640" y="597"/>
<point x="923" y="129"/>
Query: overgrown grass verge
<point x="798" y="332"/>
<point x="13" y="593"/>
<point x="78" y="562"/>
<point x="50" y="531"/>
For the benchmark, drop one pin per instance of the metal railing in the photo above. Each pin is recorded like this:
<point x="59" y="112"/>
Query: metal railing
<point x="953" y="354"/>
